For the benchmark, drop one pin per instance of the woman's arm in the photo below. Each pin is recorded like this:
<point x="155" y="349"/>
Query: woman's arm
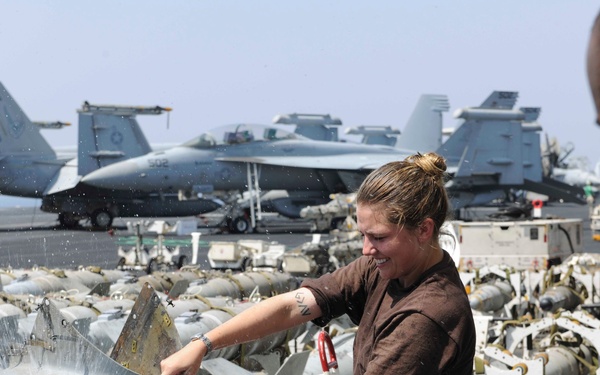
<point x="269" y="316"/>
<point x="593" y="65"/>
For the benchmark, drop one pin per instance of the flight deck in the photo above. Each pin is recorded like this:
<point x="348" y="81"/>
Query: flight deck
<point x="29" y="237"/>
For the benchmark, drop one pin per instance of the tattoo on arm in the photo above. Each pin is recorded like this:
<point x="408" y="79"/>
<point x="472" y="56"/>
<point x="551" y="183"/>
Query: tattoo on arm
<point x="304" y="310"/>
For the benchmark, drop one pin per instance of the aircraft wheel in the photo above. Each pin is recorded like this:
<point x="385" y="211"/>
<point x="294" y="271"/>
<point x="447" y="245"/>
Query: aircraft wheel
<point x="121" y="263"/>
<point x="246" y="265"/>
<point x="182" y="261"/>
<point x="67" y="221"/>
<point x="101" y="219"/>
<point x="152" y="266"/>
<point x="240" y="225"/>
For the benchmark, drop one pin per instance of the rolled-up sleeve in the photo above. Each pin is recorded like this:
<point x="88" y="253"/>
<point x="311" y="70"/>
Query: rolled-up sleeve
<point x="341" y="292"/>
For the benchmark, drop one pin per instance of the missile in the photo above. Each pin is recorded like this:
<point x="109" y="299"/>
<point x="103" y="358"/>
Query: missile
<point x="307" y="119"/>
<point x="8" y="276"/>
<point x="559" y="297"/>
<point x="70" y="332"/>
<point x="480" y="114"/>
<point x="341" y="205"/>
<point x="51" y="124"/>
<point x="491" y="296"/>
<point x="123" y="110"/>
<point x="240" y="285"/>
<point x="190" y="324"/>
<point x="216" y="292"/>
<point x="559" y="360"/>
<point x="58" y="280"/>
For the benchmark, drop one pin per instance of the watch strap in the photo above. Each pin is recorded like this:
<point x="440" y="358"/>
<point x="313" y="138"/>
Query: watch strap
<point x="205" y="340"/>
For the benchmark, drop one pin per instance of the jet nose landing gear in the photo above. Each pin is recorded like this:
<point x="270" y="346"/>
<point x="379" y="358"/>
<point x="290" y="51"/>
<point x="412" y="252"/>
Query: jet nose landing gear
<point x="240" y="224"/>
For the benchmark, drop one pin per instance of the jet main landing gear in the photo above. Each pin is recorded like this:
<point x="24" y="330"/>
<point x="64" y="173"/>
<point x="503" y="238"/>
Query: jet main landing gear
<point x="101" y="219"/>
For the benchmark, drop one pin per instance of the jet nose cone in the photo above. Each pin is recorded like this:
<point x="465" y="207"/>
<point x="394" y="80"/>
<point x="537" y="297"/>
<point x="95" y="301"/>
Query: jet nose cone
<point x="119" y="176"/>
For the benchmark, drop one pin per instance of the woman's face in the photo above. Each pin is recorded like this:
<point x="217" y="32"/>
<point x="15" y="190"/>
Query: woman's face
<point x="396" y="250"/>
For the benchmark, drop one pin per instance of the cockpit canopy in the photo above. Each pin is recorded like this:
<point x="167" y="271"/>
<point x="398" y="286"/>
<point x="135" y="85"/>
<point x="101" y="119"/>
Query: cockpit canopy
<point x="240" y="133"/>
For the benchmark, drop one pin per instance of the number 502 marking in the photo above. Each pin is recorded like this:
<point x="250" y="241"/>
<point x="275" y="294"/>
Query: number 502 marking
<point x="158" y="163"/>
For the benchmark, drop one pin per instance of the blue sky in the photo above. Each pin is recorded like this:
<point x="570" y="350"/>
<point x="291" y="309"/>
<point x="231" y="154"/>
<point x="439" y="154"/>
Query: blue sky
<point x="222" y="62"/>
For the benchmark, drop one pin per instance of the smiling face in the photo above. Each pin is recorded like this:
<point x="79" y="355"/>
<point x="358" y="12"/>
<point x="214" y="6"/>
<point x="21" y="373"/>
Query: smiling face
<point x="400" y="253"/>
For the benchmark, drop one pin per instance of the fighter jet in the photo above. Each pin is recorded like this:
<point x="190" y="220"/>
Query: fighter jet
<point x="423" y="131"/>
<point x="29" y="167"/>
<point x="558" y="165"/>
<point x="496" y="151"/>
<point x="235" y="157"/>
<point x="489" y="154"/>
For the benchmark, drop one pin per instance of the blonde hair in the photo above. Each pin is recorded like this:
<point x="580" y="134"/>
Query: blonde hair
<point x="409" y="191"/>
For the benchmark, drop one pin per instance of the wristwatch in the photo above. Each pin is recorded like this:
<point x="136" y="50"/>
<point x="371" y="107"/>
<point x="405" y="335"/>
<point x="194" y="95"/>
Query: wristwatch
<point x="205" y="340"/>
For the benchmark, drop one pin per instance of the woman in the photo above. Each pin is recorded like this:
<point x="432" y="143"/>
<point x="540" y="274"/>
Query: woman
<point x="404" y="294"/>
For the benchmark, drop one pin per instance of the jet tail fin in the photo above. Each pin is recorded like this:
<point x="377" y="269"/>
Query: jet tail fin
<point x="423" y="131"/>
<point x="531" y="113"/>
<point x="499" y="149"/>
<point x="486" y="148"/>
<point x="501" y="100"/>
<point x="19" y="137"/>
<point x="109" y="134"/>
<point x="504" y="142"/>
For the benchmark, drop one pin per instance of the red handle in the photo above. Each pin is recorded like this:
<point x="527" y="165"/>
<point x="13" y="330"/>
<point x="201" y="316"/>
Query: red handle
<point x="323" y="340"/>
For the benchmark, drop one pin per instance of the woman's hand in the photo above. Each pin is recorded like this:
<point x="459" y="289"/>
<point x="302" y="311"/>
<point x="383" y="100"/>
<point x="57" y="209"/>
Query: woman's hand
<point x="185" y="361"/>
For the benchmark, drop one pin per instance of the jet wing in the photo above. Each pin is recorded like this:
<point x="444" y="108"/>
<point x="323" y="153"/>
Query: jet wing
<point x="339" y="162"/>
<point x="66" y="179"/>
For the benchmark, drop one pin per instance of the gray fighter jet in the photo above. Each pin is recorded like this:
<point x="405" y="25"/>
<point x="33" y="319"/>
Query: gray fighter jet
<point x="492" y="152"/>
<point x="29" y="167"/>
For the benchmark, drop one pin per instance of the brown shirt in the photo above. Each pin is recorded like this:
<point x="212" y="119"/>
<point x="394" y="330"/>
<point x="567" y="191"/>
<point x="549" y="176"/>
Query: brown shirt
<point x="424" y="329"/>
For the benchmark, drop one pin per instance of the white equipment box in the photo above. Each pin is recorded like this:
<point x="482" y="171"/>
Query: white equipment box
<point x="525" y="244"/>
